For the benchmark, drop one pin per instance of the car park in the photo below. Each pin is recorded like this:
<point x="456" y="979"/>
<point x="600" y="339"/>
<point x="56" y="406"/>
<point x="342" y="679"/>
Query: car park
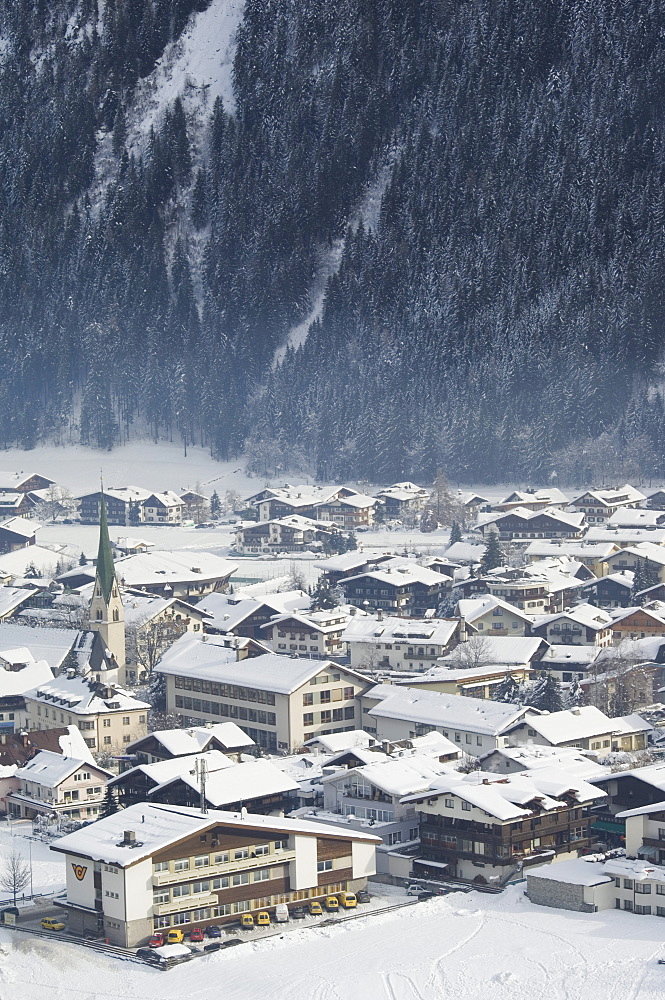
<point x="213" y="931"/>
<point x="157" y="940"/>
<point x="52" y="924"/>
<point x="315" y="909"/>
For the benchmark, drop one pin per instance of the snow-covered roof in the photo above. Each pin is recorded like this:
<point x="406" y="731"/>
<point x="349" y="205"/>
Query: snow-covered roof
<point x="157" y="826"/>
<point x="166" y="499"/>
<point x="141" y="608"/>
<point x="624" y="579"/>
<point x="164" y="771"/>
<point x="611" y="497"/>
<point x="499" y="650"/>
<point x="473" y="608"/>
<point x="448" y="711"/>
<point x="338" y="742"/>
<point x="580" y="723"/>
<point x="50" y="769"/>
<point x="586" y="615"/>
<point x="568" y="518"/>
<point x="403" y="491"/>
<point x="45" y="561"/>
<point x="228" y="612"/>
<point x="346" y="561"/>
<point x="512" y="796"/>
<point x="465" y="552"/>
<point x="636" y="517"/>
<point x="20" y="526"/>
<point x="545" y="496"/>
<point x="647" y="550"/>
<point x="180" y="742"/>
<point x="569" y="655"/>
<point x="151" y="568"/>
<point x="401" y="573"/>
<point x="575" y="871"/>
<point x="325" y="622"/>
<point x="438" y="631"/>
<point x="396" y="776"/>
<point x="237" y="783"/>
<point x="128" y="543"/>
<point x="626" y="536"/>
<point x="655" y="613"/>
<point x="80" y="697"/>
<point x="12" y="598"/>
<point x="635" y="868"/>
<point x="568" y="759"/>
<point x="654" y="807"/>
<point x="18" y="682"/>
<point x="12" y="480"/>
<point x="269" y="672"/>
<point x="50" y="644"/>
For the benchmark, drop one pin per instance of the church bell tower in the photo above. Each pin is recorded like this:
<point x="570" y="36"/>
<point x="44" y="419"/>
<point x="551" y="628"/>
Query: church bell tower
<point x="106" y="611"/>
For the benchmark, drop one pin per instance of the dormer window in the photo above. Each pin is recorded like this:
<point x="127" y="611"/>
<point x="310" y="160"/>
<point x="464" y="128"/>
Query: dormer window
<point x="99" y="616"/>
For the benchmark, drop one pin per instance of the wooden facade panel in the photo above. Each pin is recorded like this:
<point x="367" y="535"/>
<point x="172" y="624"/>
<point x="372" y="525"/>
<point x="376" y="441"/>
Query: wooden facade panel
<point x="224" y="840"/>
<point x="327" y="849"/>
<point x="254" y="890"/>
<point x="336" y="875"/>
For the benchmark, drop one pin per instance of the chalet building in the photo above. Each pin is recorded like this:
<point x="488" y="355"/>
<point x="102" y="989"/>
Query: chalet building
<point x="52" y="783"/>
<point x="17" y="533"/>
<point x="620" y="883"/>
<point x="401" y="588"/>
<point x="472" y="503"/>
<point x="123" y="505"/>
<point x="599" y="505"/>
<point x="533" y="500"/>
<point x="521" y="524"/>
<point x="402" y="500"/>
<point x="526" y="593"/>
<point x="638" y="623"/>
<point x="18" y="748"/>
<point x="586" y="728"/>
<point x="167" y="744"/>
<point x="483" y="826"/>
<point x="13" y="598"/>
<point x="152" y="625"/>
<point x="612" y="591"/>
<point x="350" y="512"/>
<point x="307" y="501"/>
<point x="181" y="574"/>
<point x="108" y="717"/>
<point x="395" y="712"/>
<point x="394" y="643"/>
<point x="493" y="616"/>
<point x="584" y="625"/>
<point x="470" y="682"/>
<point x="292" y="533"/>
<point x="14" y="505"/>
<point x="279" y="701"/>
<point x="194" y="503"/>
<point x="656" y="500"/>
<point x="593" y="555"/>
<point x="256" y="784"/>
<point x="162" y="508"/>
<point x="647" y="555"/>
<point x="349" y="564"/>
<point x="312" y="634"/>
<point x="246" y="616"/>
<point x="22" y="482"/>
<point x="153" y="867"/>
<point x="635" y="789"/>
<point x="568" y="663"/>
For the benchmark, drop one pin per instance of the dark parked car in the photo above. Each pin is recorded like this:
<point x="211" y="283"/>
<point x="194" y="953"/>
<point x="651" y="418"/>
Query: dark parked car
<point x="213" y="931"/>
<point x="299" y="913"/>
<point x="363" y="896"/>
<point x="150" y="956"/>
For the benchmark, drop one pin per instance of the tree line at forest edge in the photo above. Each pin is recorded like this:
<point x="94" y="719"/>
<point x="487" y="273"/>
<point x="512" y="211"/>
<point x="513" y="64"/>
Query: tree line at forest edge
<point x="503" y="316"/>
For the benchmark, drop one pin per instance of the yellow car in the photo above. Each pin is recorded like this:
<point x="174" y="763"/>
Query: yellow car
<point x="175" y="936"/>
<point x="263" y="918"/>
<point x="315" y="909"/>
<point x="52" y="924"/>
<point x="247" y="921"/>
<point x="331" y="904"/>
<point x="347" y="900"/>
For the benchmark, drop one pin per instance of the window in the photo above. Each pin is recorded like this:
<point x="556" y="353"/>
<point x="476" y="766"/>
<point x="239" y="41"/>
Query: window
<point x="308" y="698"/>
<point x="308" y="719"/>
<point x="203" y="886"/>
<point x="642" y="909"/>
<point x="107" y="723"/>
<point x="160" y="866"/>
<point x="181" y="865"/>
<point x="325" y="697"/>
<point x="643" y="887"/>
<point x="337" y="694"/>
<point x="201" y="861"/>
<point x="348" y="692"/>
<point x="221" y="883"/>
<point x="262" y="850"/>
<point x="126" y="720"/>
<point x="466" y="806"/>
<point x="449" y="803"/>
<point x="262" y="875"/>
<point x="241" y="878"/>
<point x="180" y="890"/>
<point x="161" y="896"/>
<point x="324" y="866"/>
<point x="107" y="741"/>
<point x="242" y="852"/>
<point x="221" y="859"/>
<point x="628" y="883"/>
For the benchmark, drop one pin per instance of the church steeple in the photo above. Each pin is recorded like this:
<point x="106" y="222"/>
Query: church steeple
<point x="106" y="611"/>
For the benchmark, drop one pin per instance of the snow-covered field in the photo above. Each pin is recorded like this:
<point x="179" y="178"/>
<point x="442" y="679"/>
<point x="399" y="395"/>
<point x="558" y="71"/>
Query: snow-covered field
<point x="463" y="947"/>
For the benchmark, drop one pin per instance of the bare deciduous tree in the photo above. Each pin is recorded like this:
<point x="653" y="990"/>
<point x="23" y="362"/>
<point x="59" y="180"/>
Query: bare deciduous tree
<point x="14" y="874"/>
<point x="476" y="652"/>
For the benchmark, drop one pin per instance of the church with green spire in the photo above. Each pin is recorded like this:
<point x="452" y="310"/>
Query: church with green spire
<point x="107" y="616"/>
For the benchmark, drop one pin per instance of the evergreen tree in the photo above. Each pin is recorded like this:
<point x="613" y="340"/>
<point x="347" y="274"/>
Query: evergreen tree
<point x="109" y="803"/>
<point x="546" y="693"/>
<point x="493" y="555"/>
<point x="455" y="533"/>
<point x="215" y="505"/>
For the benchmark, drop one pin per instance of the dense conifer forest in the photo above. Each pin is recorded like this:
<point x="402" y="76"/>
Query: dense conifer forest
<point x="502" y="317"/>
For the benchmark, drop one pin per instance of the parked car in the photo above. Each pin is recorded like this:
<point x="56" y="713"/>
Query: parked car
<point x="52" y="924"/>
<point x="157" y="940"/>
<point x="196" y="934"/>
<point x="213" y="931"/>
<point x="150" y="956"/>
<point x="363" y="896"/>
<point x="315" y="909"/>
<point x="175" y="936"/>
<point x="298" y="913"/>
<point x="347" y="900"/>
<point x="247" y="921"/>
<point x="281" y="913"/>
<point x="331" y="904"/>
<point x="263" y="918"/>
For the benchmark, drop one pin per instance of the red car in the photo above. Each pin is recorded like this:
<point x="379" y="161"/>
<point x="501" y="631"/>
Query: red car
<point x="157" y="940"/>
<point x="196" y="934"/>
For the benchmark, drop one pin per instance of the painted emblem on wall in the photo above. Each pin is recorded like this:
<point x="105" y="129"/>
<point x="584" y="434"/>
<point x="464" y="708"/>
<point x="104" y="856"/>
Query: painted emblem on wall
<point x="79" y="871"/>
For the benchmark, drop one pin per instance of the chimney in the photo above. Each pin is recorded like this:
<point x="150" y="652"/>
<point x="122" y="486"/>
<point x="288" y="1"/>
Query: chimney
<point x="463" y="634"/>
<point x="243" y="813"/>
<point x="129" y="838"/>
<point x="379" y="615"/>
<point x="576" y="711"/>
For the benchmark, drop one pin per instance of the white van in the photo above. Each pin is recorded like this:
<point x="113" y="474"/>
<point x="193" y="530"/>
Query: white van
<point x="281" y="913"/>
